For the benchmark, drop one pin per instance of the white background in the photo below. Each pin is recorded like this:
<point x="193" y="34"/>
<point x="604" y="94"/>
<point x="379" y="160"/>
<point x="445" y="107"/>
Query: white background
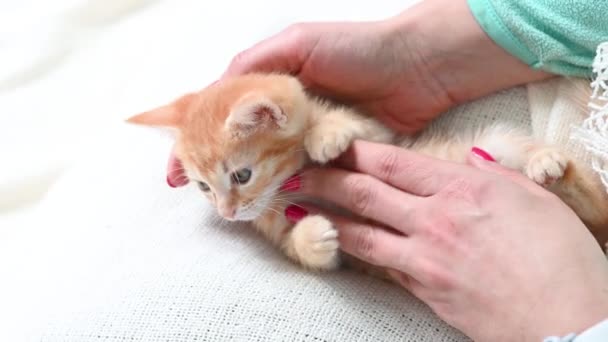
<point x="70" y="72"/>
<point x="70" y="69"/>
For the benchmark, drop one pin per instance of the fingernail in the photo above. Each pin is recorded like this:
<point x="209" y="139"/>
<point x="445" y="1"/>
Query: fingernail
<point x="293" y="213"/>
<point x="177" y="179"/>
<point x="292" y="183"/>
<point x="482" y="154"/>
<point x="170" y="182"/>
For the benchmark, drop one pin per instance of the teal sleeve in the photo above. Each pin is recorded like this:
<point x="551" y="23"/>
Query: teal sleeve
<point x="558" y="36"/>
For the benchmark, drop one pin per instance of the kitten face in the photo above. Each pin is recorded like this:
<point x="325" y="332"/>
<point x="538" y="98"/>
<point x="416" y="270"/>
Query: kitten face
<point x="239" y="140"/>
<point x="245" y="183"/>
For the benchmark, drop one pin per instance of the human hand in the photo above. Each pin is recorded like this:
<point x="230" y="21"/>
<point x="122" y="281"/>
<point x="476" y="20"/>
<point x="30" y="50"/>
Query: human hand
<point x="404" y="70"/>
<point x="492" y="253"/>
<point x="365" y="64"/>
<point x="362" y="63"/>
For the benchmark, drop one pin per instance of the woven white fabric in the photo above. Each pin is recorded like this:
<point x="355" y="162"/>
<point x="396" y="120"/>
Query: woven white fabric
<point x="556" y="113"/>
<point x="559" y="116"/>
<point x="593" y="133"/>
<point x="113" y="254"/>
<point x="143" y="262"/>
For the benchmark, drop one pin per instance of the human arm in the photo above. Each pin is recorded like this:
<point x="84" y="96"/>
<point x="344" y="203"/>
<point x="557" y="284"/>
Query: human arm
<point x="556" y="36"/>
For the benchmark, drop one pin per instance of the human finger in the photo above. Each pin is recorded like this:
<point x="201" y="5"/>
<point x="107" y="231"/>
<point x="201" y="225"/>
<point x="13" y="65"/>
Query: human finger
<point x="286" y="52"/>
<point x="401" y="168"/>
<point x="363" y="195"/>
<point x="175" y="172"/>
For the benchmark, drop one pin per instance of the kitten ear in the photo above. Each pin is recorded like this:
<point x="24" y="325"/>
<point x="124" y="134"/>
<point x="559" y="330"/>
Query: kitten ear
<point x="253" y="114"/>
<point x="166" y="116"/>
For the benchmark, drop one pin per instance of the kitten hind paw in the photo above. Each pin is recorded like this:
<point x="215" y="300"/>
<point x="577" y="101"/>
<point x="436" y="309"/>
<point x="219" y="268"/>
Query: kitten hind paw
<point x="547" y="166"/>
<point x="316" y="243"/>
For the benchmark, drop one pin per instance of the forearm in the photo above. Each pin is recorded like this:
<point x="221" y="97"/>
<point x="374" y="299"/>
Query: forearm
<point x="560" y="37"/>
<point x="463" y="61"/>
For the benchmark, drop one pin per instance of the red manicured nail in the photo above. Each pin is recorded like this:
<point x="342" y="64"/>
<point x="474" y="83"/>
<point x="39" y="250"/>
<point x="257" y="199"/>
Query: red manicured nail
<point x="176" y="179"/>
<point x="295" y="213"/>
<point x="483" y="154"/>
<point x="292" y="183"/>
<point x="170" y="182"/>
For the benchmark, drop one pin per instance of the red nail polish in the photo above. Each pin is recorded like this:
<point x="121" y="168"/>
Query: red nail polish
<point x="295" y="213"/>
<point x="177" y="180"/>
<point x="170" y="182"/>
<point x="483" y="154"/>
<point x="292" y="183"/>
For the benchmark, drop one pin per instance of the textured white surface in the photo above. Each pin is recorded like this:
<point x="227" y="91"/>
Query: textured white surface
<point x="593" y="133"/>
<point x="121" y="256"/>
<point x="113" y="254"/>
<point x="71" y="68"/>
<point x="139" y="261"/>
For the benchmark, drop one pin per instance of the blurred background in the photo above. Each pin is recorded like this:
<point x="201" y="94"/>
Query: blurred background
<point x="76" y="210"/>
<point x="71" y="70"/>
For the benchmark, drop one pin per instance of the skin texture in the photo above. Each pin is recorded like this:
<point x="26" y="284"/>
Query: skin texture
<point x="491" y="252"/>
<point x="501" y="272"/>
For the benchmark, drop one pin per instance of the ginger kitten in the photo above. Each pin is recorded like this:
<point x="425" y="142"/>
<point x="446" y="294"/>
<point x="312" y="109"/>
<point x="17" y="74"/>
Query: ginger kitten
<point x="240" y="139"/>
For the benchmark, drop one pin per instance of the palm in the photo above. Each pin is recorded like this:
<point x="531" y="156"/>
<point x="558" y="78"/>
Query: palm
<point x="348" y="62"/>
<point x="351" y="64"/>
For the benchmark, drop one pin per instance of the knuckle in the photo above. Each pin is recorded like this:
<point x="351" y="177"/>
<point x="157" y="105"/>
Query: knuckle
<point x="439" y="279"/>
<point x="239" y="59"/>
<point x="361" y="194"/>
<point x="364" y="245"/>
<point x="440" y="231"/>
<point x="434" y="276"/>
<point x="296" y="32"/>
<point x="388" y="164"/>
<point x="460" y="188"/>
<point x="422" y="175"/>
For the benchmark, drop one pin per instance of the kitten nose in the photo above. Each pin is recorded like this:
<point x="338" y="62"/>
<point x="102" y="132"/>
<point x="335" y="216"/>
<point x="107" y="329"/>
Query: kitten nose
<point x="228" y="212"/>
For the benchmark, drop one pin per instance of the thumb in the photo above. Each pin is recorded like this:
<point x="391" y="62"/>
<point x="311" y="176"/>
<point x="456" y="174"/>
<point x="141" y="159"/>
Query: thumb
<point x="484" y="161"/>
<point x="175" y="172"/>
<point x="284" y="52"/>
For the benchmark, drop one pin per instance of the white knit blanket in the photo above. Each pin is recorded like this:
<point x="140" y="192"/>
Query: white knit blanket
<point x="111" y="253"/>
<point x="593" y="132"/>
<point x="573" y="113"/>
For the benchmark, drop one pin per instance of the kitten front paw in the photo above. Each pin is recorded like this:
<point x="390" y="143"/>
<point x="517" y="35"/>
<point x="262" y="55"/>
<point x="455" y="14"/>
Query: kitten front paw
<point x="547" y="166"/>
<point x="316" y="243"/>
<point x="326" y="143"/>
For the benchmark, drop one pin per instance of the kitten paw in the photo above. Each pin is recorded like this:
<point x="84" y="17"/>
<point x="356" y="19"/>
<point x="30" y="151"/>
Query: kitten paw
<point x="547" y="166"/>
<point x="325" y="143"/>
<point x="316" y="243"/>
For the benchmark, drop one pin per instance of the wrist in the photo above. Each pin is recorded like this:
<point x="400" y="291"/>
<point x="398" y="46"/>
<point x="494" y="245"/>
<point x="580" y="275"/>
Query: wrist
<point x="457" y="54"/>
<point x="571" y="301"/>
<point x="572" y="316"/>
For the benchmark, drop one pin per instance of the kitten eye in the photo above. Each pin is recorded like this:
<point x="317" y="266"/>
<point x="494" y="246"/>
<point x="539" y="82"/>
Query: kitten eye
<point x="242" y="176"/>
<point x="203" y="186"/>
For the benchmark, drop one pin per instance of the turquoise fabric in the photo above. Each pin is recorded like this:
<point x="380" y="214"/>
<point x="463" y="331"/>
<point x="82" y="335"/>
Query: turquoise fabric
<point x="558" y="36"/>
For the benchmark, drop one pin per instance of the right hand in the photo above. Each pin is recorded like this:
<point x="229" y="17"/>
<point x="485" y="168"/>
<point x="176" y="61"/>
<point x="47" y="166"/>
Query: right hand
<point x="369" y="65"/>
<point x="365" y="64"/>
<point x="404" y="70"/>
